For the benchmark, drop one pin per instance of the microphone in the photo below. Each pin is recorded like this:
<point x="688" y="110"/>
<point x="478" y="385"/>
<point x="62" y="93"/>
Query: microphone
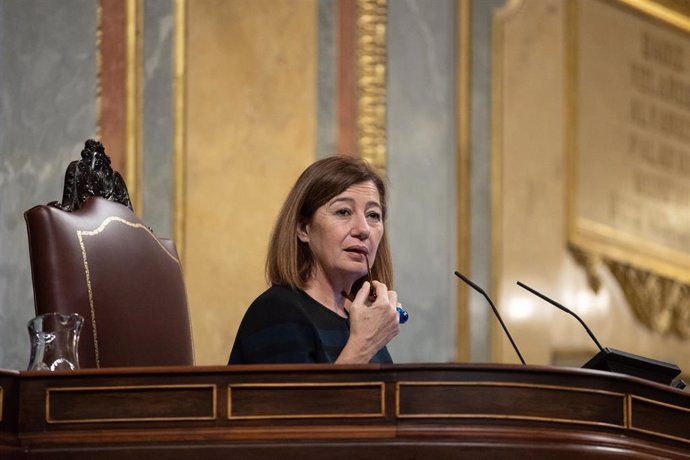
<point x="612" y="360"/>
<point x="493" y="307"/>
<point x="561" y="307"/>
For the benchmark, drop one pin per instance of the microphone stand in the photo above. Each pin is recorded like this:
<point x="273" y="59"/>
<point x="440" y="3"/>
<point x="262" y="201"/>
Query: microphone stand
<point x="493" y="307"/>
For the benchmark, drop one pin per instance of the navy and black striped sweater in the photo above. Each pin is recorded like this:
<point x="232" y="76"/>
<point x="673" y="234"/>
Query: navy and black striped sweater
<point x="284" y="325"/>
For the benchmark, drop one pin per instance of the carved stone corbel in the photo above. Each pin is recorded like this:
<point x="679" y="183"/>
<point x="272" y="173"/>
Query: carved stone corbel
<point x="662" y="304"/>
<point x="589" y="263"/>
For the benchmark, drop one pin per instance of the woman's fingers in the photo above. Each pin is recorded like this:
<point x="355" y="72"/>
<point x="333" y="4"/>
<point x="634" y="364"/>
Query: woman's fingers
<point x="363" y="293"/>
<point x="382" y="292"/>
<point x="393" y="299"/>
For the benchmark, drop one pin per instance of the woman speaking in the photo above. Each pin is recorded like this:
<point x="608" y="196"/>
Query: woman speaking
<point x="329" y="267"/>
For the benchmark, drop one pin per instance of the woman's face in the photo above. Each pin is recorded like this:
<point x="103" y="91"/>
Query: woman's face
<point x="341" y="231"/>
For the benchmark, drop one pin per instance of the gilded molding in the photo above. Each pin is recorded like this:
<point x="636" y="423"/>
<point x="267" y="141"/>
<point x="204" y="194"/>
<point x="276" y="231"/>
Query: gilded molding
<point x="371" y="80"/>
<point x="99" y="69"/>
<point x="662" y="304"/>
<point x="499" y="20"/>
<point x="179" y="88"/>
<point x="134" y="103"/>
<point x="589" y="262"/>
<point x="674" y="12"/>
<point x="464" y="217"/>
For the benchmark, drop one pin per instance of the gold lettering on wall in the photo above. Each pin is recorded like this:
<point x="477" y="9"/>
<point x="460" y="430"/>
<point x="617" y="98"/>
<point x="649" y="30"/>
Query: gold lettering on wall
<point x="650" y="202"/>
<point x="630" y="160"/>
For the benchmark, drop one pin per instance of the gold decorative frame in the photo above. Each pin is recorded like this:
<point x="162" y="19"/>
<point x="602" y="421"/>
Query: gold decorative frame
<point x="381" y="388"/>
<point x="179" y="97"/>
<point x="463" y="253"/>
<point x="654" y="278"/>
<point x="555" y="388"/>
<point x="371" y="80"/>
<point x="134" y="104"/>
<point x="212" y="416"/>
<point x="633" y="399"/>
<point x="499" y="19"/>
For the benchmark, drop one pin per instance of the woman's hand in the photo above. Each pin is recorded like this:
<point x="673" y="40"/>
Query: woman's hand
<point x="372" y="324"/>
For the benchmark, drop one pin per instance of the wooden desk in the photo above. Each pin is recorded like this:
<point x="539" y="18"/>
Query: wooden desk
<point x="350" y="412"/>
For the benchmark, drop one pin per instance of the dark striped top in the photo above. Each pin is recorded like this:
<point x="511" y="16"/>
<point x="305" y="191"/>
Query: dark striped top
<point x="287" y="326"/>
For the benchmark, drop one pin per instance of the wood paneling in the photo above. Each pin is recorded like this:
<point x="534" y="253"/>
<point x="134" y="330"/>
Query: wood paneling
<point x="371" y="411"/>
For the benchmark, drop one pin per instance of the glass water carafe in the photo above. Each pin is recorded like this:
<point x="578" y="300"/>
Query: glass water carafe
<point x="54" y="341"/>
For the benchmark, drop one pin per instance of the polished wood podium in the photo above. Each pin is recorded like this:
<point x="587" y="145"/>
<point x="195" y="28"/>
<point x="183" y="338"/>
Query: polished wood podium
<point x="424" y="411"/>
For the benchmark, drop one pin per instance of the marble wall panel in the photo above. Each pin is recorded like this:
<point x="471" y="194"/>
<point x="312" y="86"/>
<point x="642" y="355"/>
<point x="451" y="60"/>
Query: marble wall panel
<point x="157" y="128"/>
<point x="327" y="69"/>
<point x="421" y="167"/>
<point x="529" y="172"/>
<point x="481" y="319"/>
<point x="48" y="73"/>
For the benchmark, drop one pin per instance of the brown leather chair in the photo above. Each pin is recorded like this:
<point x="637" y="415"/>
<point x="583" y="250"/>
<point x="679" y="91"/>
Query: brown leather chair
<point x="91" y="255"/>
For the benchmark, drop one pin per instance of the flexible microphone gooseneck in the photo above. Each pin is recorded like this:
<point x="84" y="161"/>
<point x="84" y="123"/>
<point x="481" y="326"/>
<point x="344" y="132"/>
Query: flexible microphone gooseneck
<point x="561" y="307"/>
<point x="612" y="360"/>
<point x="493" y="307"/>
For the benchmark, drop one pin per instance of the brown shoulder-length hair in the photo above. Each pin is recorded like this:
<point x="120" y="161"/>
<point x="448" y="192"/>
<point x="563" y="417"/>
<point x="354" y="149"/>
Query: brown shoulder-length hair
<point x="290" y="261"/>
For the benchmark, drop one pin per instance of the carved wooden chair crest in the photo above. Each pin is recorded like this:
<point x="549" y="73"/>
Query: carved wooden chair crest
<point x="92" y="176"/>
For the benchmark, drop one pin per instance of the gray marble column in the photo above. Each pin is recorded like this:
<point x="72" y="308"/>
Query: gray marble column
<point x="326" y="62"/>
<point x="158" y="120"/>
<point x="422" y="171"/>
<point x="480" y="316"/>
<point x="48" y="73"/>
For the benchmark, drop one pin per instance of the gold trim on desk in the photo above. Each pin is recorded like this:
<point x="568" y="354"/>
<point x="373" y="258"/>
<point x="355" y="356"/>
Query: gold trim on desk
<point x="398" y="414"/>
<point x="51" y="420"/>
<point x="632" y="398"/>
<point x="380" y="413"/>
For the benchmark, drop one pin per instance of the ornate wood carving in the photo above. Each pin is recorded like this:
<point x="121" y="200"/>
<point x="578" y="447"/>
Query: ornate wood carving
<point x="92" y="176"/>
<point x="371" y="80"/>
